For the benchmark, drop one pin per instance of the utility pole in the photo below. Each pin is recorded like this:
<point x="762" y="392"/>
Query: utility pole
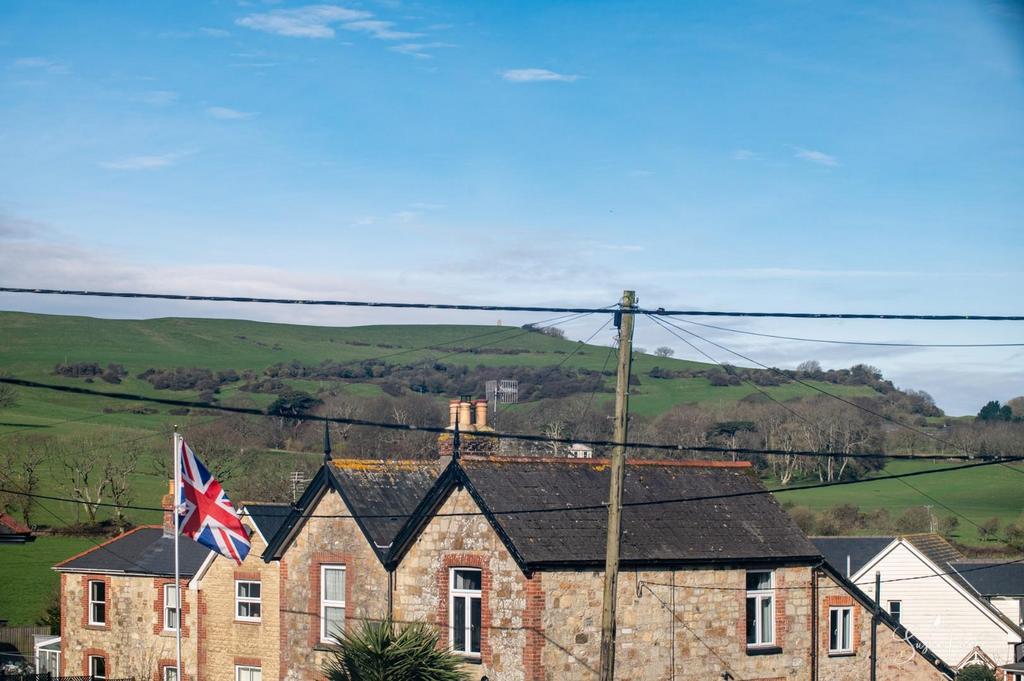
<point x="624" y="322"/>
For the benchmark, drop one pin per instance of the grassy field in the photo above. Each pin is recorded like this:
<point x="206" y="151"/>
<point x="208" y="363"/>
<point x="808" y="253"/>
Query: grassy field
<point x="976" y="494"/>
<point x="27" y="578"/>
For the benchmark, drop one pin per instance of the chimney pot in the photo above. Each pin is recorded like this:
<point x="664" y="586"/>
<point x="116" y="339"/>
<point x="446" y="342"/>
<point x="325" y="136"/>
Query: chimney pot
<point x="453" y="412"/>
<point x="465" y="415"/>
<point x="167" y="503"/>
<point x="480" y="406"/>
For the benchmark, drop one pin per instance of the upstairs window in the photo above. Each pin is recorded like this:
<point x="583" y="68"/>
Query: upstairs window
<point x="248" y="673"/>
<point x="332" y="602"/>
<point x="97" y="602"/>
<point x="170" y="674"/>
<point x="464" y="611"/>
<point x="896" y="610"/>
<point x="170" y="607"/>
<point x="248" y="606"/>
<point x="840" y="630"/>
<point x="760" y="608"/>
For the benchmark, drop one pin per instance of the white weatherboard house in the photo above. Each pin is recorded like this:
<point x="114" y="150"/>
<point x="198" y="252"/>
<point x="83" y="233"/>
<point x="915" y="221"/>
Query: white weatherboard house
<point x="965" y="611"/>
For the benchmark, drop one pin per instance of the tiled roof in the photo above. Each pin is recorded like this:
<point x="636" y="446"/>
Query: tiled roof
<point x="268" y="517"/>
<point x="937" y="549"/>
<point x="860" y="550"/>
<point x="992" y="577"/>
<point x="142" y="551"/>
<point x="9" y="525"/>
<point x="738" y="523"/>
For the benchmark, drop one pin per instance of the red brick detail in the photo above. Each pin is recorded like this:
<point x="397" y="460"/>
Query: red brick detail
<point x="63" y="616"/>
<point x="247" y="575"/>
<point x="468" y="560"/>
<point x="165" y="663"/>
<point x="248" y="662"/>
<point x="533" y="621"/>
<point x="781" y="621"/>
<point x="840" y="601"/>
<point x="326" y="558"/>
<point x="92" y="652"/>
<point x="200" y="634"/>
<point x="158" y="605"/>
<point x="85" y="602"/>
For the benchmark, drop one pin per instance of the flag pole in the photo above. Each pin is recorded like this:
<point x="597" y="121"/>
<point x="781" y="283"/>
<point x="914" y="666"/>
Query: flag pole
<point x="175" y="514"/>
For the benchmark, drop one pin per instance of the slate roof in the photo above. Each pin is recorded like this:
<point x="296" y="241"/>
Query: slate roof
<point x="382" y="495"/>
<point x="142" y="551"/>
<point x="992" y="577"/>
<point x="859" y="549"/>
<point x="268" y="517"/>
<point x="741" y="524"/>
<point x="375" y="489"/>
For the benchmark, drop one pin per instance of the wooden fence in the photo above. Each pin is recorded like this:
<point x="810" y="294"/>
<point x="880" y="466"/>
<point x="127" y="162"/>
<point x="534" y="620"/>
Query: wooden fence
<point x="17" y="643"/>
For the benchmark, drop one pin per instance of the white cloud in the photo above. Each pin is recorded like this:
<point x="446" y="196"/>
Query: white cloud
<point x="43" y="64"/>
<point x="381" y="30"/>
<point x="158" y="97"/>
<point x="536" y="76"/>
<point x="813" y="156"/>
<point x="226" y="114"/>
<point x="152" y="162"/>
<point x="215" y="32"/>
<point x="311" y="21"/>
<point x="745" y="155"/>
<point x="419" y="50"/>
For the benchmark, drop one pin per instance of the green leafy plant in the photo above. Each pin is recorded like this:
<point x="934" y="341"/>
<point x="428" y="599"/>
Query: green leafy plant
<point x="976" y="672"/>
<point x="378" y="651"/>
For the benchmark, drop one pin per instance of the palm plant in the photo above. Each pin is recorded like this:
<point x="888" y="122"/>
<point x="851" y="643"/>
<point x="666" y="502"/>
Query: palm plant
<point x="378" y="651"/>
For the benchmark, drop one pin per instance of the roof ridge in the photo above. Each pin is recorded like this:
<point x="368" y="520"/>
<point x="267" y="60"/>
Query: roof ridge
<point x="99" y="546"/>
<point x="688" y="463"/>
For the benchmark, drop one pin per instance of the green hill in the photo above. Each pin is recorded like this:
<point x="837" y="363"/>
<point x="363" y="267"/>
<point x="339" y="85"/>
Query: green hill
<point x="31" y="345"/>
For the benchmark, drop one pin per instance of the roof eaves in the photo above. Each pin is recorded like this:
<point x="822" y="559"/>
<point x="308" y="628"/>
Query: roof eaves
<point x="664" y="563"/>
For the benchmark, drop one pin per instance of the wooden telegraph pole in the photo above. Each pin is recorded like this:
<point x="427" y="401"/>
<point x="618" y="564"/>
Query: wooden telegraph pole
<point x="624" y="322"/>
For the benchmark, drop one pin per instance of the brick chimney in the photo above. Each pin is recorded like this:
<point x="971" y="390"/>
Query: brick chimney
<point x="167" y="503"/>
<point x="472" y="418"/>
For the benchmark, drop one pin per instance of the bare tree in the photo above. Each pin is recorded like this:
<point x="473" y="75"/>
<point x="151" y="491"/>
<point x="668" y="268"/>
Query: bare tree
<point x="664" y="351"/>
<point x="23" y="460"/>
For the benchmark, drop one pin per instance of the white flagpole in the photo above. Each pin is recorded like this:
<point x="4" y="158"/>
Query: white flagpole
<point x="177" y="578"/>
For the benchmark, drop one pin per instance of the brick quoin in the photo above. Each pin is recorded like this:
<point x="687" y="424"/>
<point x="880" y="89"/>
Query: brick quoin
<point x="840" y="601"/>
<point x="318" y="559"/>
<point x="92" y="652"/>
<point x="533" y="621"/>
<point x="63" y="617"/>
<point x="282" y="633"/>
<point x="85" y="602"/>
<point x="158" y="605"/>
<point x="201" y="635"/>
<point x="467" y="560"/>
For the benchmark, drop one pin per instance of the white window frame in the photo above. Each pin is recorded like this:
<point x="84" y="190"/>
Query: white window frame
<point x="469" y="595"/>
<point x="168" y="609"/>
<point x="898" y="615"/>
<point x="839" y="648"/>
<point x="759" y="596"/>
<point x="92" y="668"/>
<point x="239" y="668"/>
<point x="94" y="602"/>
<point x="168" y="671"/>
<point x="239" y="599"/>
<point x="324" y="603"/>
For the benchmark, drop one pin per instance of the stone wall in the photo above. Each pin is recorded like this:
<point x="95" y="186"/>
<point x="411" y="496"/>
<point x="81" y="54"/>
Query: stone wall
<point x="133" y="640"/>
<point x="325" y="541"/>
<point x="226" y="640"/>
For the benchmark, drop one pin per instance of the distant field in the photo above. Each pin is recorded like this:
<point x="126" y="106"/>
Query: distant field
<point x="27" y="578"/>
<point x="978" y="494"/>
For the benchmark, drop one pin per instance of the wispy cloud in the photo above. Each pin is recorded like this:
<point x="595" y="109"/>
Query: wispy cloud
<point x="152" y="162"/>
<point x="382" y="30"/>
<point x="745" y="155"/>
<point x="419" y="50"/>
<point x="42" y="64"/>
<point x="311" y="21"/>
<point x="225" y="114"/>
<point x="215" y="32"/>
<point x="813" y="156"/>
<point x="537" y="76"/>
<point x="158" y="97"/>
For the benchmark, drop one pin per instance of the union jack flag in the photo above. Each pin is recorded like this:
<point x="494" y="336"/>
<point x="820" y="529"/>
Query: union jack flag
<point x="205" y="513"/>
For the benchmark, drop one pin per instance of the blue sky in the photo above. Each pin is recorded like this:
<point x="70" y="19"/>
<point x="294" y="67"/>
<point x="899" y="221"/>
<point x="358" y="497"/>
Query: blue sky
<point x="832" y="156"/>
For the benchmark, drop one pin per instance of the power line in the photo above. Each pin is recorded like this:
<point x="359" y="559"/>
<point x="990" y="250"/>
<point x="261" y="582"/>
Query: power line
<point x="506" y="308"/>
<point x="849" y="342"/>
<point x="874" y="413"/>
<point x="525" y="437"/>
<point x="575" y="508"/>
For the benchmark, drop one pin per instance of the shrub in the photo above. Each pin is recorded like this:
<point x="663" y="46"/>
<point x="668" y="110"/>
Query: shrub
<point x="989" y="529"/>
<point x="948" y="525"/>
<point x="377" y="651"/>
<point x="976" y="672"/>
<point x="1015" y="535"/>
<point x="916" y="519"/>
